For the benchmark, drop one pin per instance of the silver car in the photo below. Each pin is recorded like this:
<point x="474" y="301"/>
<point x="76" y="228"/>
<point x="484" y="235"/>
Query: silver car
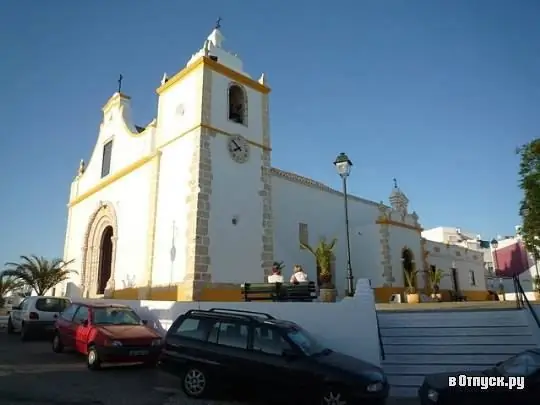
<point x="36" y="315"/>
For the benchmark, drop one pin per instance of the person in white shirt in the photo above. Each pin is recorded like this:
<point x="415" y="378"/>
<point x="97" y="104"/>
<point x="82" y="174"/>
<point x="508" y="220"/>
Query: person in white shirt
<point x="299" y="275"/>
<point x="276" y="276"/>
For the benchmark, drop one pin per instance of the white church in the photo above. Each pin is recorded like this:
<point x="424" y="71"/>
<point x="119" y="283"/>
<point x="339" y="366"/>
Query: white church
<point x="189" y="206"/>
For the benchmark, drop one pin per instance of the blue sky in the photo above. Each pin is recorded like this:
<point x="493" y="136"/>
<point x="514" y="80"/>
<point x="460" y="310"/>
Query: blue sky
<point x="436" y="93"/>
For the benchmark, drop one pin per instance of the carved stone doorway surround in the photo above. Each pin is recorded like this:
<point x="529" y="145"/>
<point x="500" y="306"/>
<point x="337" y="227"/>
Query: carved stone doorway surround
<point x="100" y="223"/>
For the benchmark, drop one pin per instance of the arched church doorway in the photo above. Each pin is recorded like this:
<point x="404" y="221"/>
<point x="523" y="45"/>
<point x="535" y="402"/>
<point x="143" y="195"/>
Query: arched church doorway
<point x="99" y="252"/>
<point x="409" y="271"/>
<point x="105" y="259"/>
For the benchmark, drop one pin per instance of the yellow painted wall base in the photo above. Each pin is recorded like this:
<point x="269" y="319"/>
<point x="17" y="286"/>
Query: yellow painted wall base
<point x="383" y="294"/>
<point x="188" y="291"/>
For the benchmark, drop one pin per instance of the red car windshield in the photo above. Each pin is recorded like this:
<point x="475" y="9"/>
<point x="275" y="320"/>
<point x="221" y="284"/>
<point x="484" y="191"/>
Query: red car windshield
<point x="115" y="316"/>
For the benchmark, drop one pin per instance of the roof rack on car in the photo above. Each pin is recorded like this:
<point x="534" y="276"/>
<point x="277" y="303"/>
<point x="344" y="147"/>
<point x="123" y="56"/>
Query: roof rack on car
<point x="241" y="311"/>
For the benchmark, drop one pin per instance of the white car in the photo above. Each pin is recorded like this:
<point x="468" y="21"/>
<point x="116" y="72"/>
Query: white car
<point x="36" y="315"/>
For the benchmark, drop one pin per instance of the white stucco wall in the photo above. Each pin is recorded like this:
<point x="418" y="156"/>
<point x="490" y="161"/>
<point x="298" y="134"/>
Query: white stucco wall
<point x="169" y="266"/>
<point x="399" y="239"/>
<point x="253" y="131"/>
<point x="443" y="257"/>
<point x="129" y="195"/>
<point x="323" y="212"/>
<point x="348" y="326"/>
<point x="235" y="249"/>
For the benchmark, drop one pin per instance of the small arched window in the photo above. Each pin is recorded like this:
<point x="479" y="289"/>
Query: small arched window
<point x="237" y="104"/>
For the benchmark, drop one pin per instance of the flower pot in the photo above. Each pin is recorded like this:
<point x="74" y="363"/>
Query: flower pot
<point x="412" y="298"/>
<point x="328" y="294"/>
<point x="436" y="297"/>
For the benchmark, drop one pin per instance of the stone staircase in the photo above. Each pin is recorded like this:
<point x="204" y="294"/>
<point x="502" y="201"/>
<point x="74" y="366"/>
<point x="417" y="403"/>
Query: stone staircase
<point x="417" y="343"/>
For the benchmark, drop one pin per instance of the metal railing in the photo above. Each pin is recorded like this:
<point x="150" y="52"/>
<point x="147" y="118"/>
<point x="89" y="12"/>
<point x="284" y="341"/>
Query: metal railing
<point x="381" y="346"/>
<point x="522" y="301"/>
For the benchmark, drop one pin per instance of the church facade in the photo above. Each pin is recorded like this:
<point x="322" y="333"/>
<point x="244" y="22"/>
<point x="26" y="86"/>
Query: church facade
<point x="189" y="206"/>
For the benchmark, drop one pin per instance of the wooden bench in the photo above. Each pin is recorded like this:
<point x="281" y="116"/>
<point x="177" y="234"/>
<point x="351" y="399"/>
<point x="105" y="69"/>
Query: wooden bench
<point x="279" y="292"/>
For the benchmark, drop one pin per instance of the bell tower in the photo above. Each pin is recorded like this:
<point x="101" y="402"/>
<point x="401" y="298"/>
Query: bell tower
<point x="229" y="228"/>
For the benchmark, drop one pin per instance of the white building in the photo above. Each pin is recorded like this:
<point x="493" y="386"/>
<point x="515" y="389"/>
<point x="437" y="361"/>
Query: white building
<point x="189" y="206"/>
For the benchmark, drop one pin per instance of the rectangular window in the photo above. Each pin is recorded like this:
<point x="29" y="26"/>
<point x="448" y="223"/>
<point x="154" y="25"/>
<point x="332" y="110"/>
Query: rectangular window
<point x="269" y="340"/>
<point x="472" y="279"/>
<point x="52" y="304"/>
<point x="193" y="328"/>
<point x="229" y="334"/>
<point x="106" y="165"/>
<point x="303" y="235"/>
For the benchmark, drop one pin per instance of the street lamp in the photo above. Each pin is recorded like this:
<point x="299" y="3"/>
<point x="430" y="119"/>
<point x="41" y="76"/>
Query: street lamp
<point x="343" y="166"/>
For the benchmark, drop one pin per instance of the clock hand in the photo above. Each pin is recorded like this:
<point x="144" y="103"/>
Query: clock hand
<point x="237" y="147"/>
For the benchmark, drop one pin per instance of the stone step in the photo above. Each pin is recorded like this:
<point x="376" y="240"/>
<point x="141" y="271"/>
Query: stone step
<point x="462" y="340"/>
<point x="451" y="319"/>
<point x="444" y="359"/>
<point x="489" y="331"/>
<point x="444" y="350"/>
<point x="424" y="369"/>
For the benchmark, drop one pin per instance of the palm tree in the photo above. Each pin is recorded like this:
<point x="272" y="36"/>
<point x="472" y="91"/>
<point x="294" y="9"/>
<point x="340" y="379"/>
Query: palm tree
<point x="7" y="285"/>
<point x="324" y="254"/>
<point x="435" y="278"/>
<point x="39" y="273"/>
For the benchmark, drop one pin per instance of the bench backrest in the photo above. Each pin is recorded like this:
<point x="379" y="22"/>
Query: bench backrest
<point x="279" y="291"/>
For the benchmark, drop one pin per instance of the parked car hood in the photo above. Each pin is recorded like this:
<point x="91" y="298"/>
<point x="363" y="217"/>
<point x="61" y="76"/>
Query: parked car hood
<point x="351" y="366"/>
<point x="439" y="381"/>
<point x="127" y="331"/>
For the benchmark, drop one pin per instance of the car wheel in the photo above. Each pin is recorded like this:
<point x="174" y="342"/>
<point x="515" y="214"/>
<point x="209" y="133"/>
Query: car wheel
<point x="92" y="359"/>
<point x="25" y="333"/>
<point x="57" y="345"/>
<point x="195" y="383"/>
<point x="333" y="396"/>
<point x="10" y="328"/>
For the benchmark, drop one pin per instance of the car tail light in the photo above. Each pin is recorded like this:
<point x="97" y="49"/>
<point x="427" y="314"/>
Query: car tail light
<point x="33" y="315"/>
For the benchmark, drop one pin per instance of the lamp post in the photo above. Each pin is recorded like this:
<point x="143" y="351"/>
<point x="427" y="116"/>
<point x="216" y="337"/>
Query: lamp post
<point x="524" y="211"/>
<point x="494" y="245"/>
<point x="455" y="278"/>
<point x="343" y="166"/>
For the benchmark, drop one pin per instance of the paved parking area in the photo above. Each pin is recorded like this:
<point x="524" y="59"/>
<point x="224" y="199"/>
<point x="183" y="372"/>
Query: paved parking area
<point x="31" y="374"/>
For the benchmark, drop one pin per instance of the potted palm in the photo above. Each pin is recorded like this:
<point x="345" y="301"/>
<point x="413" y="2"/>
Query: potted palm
<point x="324" y="254"/>
<point x="435" y="278"/>
<point x="411" y="295"/>
<point x="501" y="293"/>
<point x="536" y="287"/>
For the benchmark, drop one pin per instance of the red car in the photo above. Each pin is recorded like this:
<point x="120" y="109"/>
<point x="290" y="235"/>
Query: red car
<point x="106" y="333"/>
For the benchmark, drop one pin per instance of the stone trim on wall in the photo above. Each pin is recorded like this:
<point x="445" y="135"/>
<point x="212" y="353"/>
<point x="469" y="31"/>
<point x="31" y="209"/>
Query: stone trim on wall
<point x="305" y="181"/>
<point x="386" y="262"/>
<point x="198" y="265"/>
<point x="103" y="216"/>
<point x="267" y="251"/>
<point x="152" y="222"/>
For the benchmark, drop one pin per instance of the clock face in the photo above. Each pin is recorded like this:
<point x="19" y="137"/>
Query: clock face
<point x="238" y="149"/>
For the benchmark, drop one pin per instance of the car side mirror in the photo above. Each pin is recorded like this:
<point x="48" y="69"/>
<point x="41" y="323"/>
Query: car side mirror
<point x="498" y="364"/>
<point x="16" y="308"/>
<point x="84" y="323"/>
<point x="144" y="322"/>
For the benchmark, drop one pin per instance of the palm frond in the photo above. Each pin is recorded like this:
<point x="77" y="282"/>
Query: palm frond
<point x="39" y="273"/>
